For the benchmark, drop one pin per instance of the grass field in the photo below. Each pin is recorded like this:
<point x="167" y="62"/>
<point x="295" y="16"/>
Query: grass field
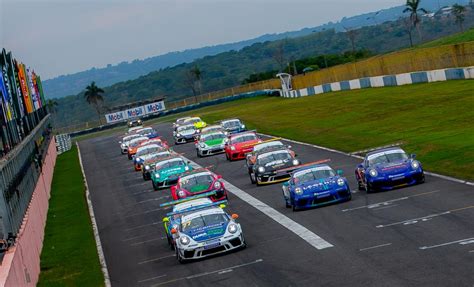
<point x="69" y="256"/>
<point x="461" y="37"/>
<point x="435" y="121"/>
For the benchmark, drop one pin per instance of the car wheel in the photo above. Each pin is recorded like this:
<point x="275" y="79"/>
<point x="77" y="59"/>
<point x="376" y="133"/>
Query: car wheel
<point x="259" y="183"/>
<point x="198" y="154"/>
<point x="368" y="187"/>
<point x="294" y="207"/>
<point x="170" y="242"/>
<point x="252" y="177"/>
<point x="178" y="257"/>
<point x="130" y="157"/>
<point x="287" y="204"/>
<point x="155" y="187"/>
<point x="227" y="157"/>
<point x="422" y="180"/>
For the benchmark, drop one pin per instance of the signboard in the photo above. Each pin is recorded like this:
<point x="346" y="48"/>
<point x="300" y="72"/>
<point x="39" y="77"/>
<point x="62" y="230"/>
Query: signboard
<point x="135" y="112"/>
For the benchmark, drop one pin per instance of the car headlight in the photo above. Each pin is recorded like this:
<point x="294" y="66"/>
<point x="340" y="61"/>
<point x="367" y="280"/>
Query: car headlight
<point x="157" y="175"/>
<point x="178" y="134"/>
<point x="184" y="240"/>
<point x="415" y="164"/>
<point x="181" y="193"/>
<point x="232" y="228"/>
<point x="261" y="169"/>
<point x="243" y="126"/>
<point x="122" y="146"/>
<point x="296" y="162"/>
<point x="340" y="182"/>
<point x="217" y="185"/>
<point x="232" y="147"/>
<point x="147" y="167"/>
<point x="202" y="145"/>
<point x="373" y="173"/>
<point x="186" y="168"/>
<point x="298" y="190"/>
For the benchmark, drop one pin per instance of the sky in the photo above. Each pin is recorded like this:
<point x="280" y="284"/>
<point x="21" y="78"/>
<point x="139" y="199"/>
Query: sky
<point x="58" y="37"/>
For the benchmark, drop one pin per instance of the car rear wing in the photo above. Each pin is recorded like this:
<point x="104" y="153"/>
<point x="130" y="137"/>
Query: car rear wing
<point x="196" y="208"/>
<point x="304" y="165"/>
<point x="202" y="195"/>
<point x="243" y="132"/>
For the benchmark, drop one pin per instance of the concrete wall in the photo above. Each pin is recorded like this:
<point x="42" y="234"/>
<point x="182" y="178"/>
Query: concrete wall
<point x="21" y="264"/>
<point x="385" y="81"/>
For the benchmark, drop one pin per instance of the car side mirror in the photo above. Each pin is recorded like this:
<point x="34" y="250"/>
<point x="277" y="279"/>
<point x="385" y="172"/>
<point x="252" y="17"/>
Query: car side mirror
<point x="360" y="165"/>
<point x="120" y="142"/>
<point x="219" y="176"/>
<point x="166" y="219"/>
<point x="413" y="156"/>
<point x="174" y="231"/>
<point x="188" y="162"/>
<point x="235" y="216"/>
<point x="340" y="172"/>
<point x="222" y="206"/>
<point x="289" y="146"/>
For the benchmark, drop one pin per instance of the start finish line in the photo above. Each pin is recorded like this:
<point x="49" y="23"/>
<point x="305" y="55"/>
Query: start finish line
<point x="140" y="111"/>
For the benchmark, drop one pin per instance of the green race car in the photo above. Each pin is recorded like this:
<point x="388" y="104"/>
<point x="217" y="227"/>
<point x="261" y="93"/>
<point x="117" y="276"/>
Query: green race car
<point x="211" y="143"/>
<point x="166" y="172"/>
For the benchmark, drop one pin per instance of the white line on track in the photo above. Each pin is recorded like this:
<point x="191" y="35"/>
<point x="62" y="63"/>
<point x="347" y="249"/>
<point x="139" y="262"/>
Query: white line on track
<point x="424" y="218"/>
<point x="146" y="241"/>
<point x="141" y="226"/>
<point x="462" y="242"/>
<point x="388" y="202"/>
<point x="385" y="207"/>
<point x="298" y="229"/>
<point x="136" y="237"/>
<point x="210" y="272"/>
<point x="152" y="278"/>
<point x="144" y="212"/>
<point x="155" y="259"/>
<point x="147" y="200"/>
<point x="377" y="246"/>
<point x="472" y="251"/>
<point x="143" y="191"/>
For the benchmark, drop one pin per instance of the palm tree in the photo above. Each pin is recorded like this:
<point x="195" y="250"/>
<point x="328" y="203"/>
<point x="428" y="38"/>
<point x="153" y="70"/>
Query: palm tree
<point x="197" y="76"/>
<point x="52" y="106"/>
<point x="412" y="7"/>
<point x="93" y="97"/>
<point x="458" y="11"/>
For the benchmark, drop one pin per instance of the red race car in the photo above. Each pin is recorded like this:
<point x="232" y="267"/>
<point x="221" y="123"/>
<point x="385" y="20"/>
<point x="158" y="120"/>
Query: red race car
<point x="238" y="145"/>
<point x="197" y="182"/>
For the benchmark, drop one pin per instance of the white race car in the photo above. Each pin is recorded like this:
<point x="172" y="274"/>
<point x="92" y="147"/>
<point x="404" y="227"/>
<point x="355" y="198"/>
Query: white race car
<point x="125" y="141"/>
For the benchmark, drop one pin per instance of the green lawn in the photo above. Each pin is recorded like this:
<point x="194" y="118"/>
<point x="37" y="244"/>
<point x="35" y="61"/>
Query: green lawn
<point x="466" y="36"/>
<point x="69" y="256"/>
<point x="435" y="121"/>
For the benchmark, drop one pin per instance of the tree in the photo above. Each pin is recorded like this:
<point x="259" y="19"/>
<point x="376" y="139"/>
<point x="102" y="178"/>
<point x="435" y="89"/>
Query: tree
<point x="93" y="97"/>
<point x="279" y="55"/>
<point x="197" y="75"/>
<point x="458" y="12"/>
<point x="351" y="34"/>
<point x="412" y="6"/>
<point x="52" y="105"/>
<point x="192" y="79"/>
<point x="408" y="27"/>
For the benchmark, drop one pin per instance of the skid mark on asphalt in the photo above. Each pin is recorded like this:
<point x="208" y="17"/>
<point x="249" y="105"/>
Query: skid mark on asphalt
<point x="220" y="271"/>
<point x="388" y="202"/>
<point x="374" y="247"/>
<point x="460" y="242"/>
<point x="424" y="218"/>
<point x="298" y="229"/>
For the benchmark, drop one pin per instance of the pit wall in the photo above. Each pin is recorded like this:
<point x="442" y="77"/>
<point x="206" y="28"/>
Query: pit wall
<point x="21" y="264"/>
<point x="385" y="81"/>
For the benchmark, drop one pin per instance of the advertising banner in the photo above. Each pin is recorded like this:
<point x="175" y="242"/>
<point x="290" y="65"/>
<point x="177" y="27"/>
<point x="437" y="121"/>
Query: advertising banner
<point x="155" y="107"/>
<point x="135" y="112"/>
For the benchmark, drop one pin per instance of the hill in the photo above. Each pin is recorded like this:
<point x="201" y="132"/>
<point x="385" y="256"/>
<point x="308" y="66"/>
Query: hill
<point x="72" y="84"/>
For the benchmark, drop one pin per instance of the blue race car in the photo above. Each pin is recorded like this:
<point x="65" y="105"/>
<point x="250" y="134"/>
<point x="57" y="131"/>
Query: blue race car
<point x="388" y="168"/>
<point x="315" y="185"/>
<point x="233" y="126"/>
<point x="148" y="132"/>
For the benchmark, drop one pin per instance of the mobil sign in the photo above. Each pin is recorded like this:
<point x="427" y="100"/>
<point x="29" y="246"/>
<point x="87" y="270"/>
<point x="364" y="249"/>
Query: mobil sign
<point x="135" y="112"/>
<point x="154" y="107"/>
<point x="115" y="117"/>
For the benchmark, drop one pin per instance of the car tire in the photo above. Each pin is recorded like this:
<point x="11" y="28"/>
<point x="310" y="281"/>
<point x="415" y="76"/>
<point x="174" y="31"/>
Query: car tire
<point x="155" y="187"/>
<point x="178" y="257"/>
<point x="294" y="208"/>
<point x="198" y="154"/>
<point x="287" y="205"/>
<point x="252" y="178"/>
<point x="368" y="188"/>
<point x="129" y="156"/>
<point x="227" y="157"/>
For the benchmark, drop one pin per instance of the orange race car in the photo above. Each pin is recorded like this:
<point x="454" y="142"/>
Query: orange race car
<point x="134" y="145"/>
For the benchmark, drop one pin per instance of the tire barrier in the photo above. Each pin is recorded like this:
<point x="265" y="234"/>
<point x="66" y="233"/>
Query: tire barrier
<point x="63" y="143"/>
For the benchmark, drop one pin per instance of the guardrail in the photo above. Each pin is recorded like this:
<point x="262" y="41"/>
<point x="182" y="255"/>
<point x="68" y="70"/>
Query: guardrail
<point x="19" y="172"/>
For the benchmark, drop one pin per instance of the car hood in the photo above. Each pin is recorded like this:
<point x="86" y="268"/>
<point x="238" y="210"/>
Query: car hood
<point x="170" y="171"/>
<point x="318" y="185"/>
<point x="207" y="232"/>
<point x="187" y="132"/>
<point x="214" y="142"/>
<point x="393" y="167"/>
<point x="243" y="145"/>
<point x="278" y="164"/>
<point x="199" y="188"/>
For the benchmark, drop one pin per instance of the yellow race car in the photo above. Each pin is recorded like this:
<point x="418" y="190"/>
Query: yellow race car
<point x="198" y="123"/>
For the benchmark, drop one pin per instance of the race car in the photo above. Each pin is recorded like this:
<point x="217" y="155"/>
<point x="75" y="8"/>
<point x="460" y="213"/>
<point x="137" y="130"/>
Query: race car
<point x="210" y="144"/>
<point x="252" y="156"/>
<point x="238" y="145"/>
<point x="179" y="122"/>
<point x="388" y="168"/>
<point x="157" y="141"/>
<point x="196" y="121"/>
<point x="133" y="130"/>
<point x="167" y="171"/>
<point x="207" y="129"/>
<point x="148" y="132"/>
<point x="232" y="126"/>
<point x="197" y="182"/>
<point x="315" y="185"/>
<point x="184" y="134"/>
<point x="142" y="151"/>
<point x="181" y="207"/>
<point x="150" y="160"/>
<point x="206" y="231"/>
<point x="125" y="141"/>
<point x="273" y="164"/>
<point x="133" y="145"/>
<point x="134" y="123"/>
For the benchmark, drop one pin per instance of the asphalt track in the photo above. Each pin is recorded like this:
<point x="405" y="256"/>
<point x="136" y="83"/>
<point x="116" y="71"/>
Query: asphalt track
<point x="416" y="236"/>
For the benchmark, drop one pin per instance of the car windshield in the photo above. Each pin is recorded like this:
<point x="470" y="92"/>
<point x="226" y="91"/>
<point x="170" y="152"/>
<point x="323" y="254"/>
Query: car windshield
<point x="148" y="150"/>
<point x="193" y="120"/>
<point x="231" y="124"/>
<point x="210" y="129"/>
<point x="313" y="174"/>
<point x="204" y="220"/>
<point x="170" y="163"/>
<point x="387" y="157"/>
<point x="243" y="138"/>
<point x="213" y="136"/>
<point x="145" y="131"/>
<point x="136" y="142"/>
<point x="186" y="128"/>
<point x="204" y="179"/>
<point x="180" y="121"/>
<point x="270" y="157"/>
<point x="266" y="145"/>
<point x="129" y="138"/>
<point x="155" y="157"/>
